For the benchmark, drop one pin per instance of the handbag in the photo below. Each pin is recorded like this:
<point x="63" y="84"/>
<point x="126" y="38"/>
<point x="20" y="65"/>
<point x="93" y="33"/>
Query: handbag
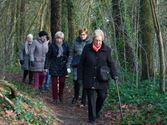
<point x="103" y="74"/>
<point x="75" y="61"/>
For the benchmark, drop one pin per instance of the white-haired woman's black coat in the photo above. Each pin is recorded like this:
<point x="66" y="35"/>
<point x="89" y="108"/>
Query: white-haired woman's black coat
<point x="57" y="65"/>
<point x="89" y="64"/>
<point x="88" y="74"/>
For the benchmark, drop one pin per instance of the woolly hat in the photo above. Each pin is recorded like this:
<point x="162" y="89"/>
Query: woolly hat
<point x="42" y="33"/>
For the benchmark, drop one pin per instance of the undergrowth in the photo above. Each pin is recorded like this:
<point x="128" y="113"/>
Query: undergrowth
<point x="27" y="109"/>
<point x="142" y="104"/>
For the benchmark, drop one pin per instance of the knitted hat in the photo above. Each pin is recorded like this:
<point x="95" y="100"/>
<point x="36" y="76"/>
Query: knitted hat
<point x="42" y="33"/>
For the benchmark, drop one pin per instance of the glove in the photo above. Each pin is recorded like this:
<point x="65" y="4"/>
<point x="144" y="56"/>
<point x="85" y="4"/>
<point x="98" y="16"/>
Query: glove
<point x="80" y="82"/>
<point x="115" y="78"/>
<point x="32" y="64"/>
<point x="21" y="62"/>
<point x="68" y="70"/>
<point x="46" y="70"/>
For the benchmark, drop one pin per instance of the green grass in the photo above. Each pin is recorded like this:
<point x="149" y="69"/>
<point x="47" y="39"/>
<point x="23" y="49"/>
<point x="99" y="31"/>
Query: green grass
<point x="146" y="103"/>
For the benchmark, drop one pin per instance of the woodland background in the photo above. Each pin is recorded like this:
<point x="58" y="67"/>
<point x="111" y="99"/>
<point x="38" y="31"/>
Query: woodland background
<point x="134" y="29"/>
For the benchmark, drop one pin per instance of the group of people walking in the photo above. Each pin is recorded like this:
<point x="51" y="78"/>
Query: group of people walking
<point x="89" y="61"/>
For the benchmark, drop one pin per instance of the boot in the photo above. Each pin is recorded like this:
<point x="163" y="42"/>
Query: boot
<point x="61" y="99"/>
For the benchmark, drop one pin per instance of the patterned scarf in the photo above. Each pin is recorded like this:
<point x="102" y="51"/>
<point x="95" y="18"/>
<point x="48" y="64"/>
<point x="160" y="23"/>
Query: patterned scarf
<point x="27" y="44"/>
<point x="95" y="48"/>
<point x="60" y="52"/>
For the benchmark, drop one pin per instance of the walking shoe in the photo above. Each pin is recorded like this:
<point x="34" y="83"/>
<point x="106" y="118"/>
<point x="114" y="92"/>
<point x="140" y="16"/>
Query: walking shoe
<point x="82" y="106"/>
<point x="30" y="82"/>
<point x="91" y="122"/>
<point x="54" y="102"/>
<point x="97" y="116"/>
<point x="74" y="100"/>
<point x="61" y="99"/>
<point x="41" y="90"/>
<point x="23" y="80"/>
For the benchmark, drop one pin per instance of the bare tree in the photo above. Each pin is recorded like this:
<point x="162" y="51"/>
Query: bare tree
<point x="126" y="53"/>
<point x="55" y="16"/>
<point x="146" y="36"/>
<point x="161" y="45"/>
<point x="71" y="17"/>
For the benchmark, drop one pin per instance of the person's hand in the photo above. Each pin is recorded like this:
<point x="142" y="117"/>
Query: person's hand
<point x="68" y="70"/>
<point x="80" y="82"/>
<point x="46" y="70"/>
<point x="116" y="78"/>
<point x="32" y="64"/>
<point x="21" y="62"/>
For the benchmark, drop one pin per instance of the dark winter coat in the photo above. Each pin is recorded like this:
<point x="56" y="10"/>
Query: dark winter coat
<point x="76" y="50"/>
<point x="57" y="65"/>
<point x="89" y="64"/>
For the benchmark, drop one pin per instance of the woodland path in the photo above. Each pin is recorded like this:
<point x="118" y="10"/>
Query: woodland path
<point x="67" y="113"/>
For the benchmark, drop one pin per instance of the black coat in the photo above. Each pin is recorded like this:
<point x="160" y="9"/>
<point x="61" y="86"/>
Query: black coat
<point x="90" y="62"/>
<point x="57" y="65"/>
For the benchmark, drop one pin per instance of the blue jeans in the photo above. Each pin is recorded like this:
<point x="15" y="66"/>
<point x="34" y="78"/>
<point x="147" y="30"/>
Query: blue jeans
<point x="47" y="80"/>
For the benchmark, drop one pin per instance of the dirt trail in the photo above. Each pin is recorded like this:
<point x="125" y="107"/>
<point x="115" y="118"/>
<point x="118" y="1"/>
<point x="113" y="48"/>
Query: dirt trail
<point x="66" y="113"/>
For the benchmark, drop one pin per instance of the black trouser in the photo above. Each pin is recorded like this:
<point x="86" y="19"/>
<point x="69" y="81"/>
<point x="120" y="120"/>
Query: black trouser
<point x="96" y="98"/>
<point x="30" y="73"/>
<point x="77" y="90"/>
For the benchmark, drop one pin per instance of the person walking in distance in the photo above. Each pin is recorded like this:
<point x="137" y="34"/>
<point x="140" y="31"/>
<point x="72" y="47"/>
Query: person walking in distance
<point x="25" y="58"/>
<point x="47" y="79"/>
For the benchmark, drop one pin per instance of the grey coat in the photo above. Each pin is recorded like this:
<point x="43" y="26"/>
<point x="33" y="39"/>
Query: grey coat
<point x="25" y="56"/>
<point x="76" y="49"/>
<point x="38" y="54"/>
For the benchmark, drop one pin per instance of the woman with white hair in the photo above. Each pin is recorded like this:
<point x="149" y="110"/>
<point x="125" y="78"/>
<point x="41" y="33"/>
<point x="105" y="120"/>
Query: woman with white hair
<point x="25" y="58"/>
<point x="94" y="70"/>
<point x="56" y="60"/>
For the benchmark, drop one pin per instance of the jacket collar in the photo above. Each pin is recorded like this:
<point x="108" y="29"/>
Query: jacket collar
<point x="78" y="39"/>
<point x="103" y="47"/>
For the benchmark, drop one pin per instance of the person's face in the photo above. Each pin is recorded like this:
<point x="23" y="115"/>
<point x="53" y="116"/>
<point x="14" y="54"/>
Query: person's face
<point x="43" y="38"/>
<point x="29" y="39"/>
<point x="83" y="36"/>
<point x="97" y="41"/>
<point x="59" y="40"/>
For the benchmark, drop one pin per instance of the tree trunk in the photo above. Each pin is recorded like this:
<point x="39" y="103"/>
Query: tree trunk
<point x="70" y="20"/>
<point x="161" y="46"/>
<point x="22" y="19"/>
<point x="43" y="15"/>
<point x="126" y="54"/>
<point x="146" y="36"/>
<point x="64" y="18"/>
<point x="55" y="16"/>
<point x="18" y="27"/>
